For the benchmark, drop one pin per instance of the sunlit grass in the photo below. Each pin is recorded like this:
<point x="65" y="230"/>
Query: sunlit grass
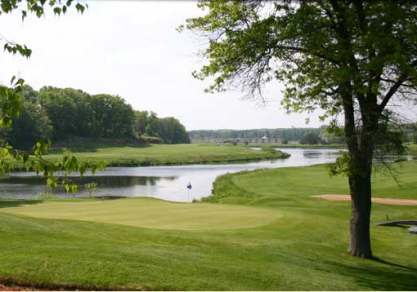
<point x="154" y="154"/>
<point x="151" y="213"/>
<point x="282" y="240"/>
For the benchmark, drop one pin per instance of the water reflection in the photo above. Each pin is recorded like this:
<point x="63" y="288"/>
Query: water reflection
<point x="164" y="182"/>
<point x="104" y="181"/>
<point x="22" y="186"/>
<point x="313" y="154"/>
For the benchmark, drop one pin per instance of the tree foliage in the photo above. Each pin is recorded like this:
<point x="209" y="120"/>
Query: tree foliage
<point x="172" y="131"/>
<point x="289" y="134"/>
<point x="351" y="57"/>
<point x="169" y="129"/>
<point x="31" y="125"/>
<point x="75" y="113"/>
<point x="310" y="138"/>
<point x="11" y="108"/>
<point x="66" y="114"/>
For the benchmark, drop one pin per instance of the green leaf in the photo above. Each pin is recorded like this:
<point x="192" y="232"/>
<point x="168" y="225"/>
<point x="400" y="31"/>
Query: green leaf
<point x="74" y="189"/>
<point x="57" y="10"/>
<point x="6" y="6"/>
<point x="80" y="7"/>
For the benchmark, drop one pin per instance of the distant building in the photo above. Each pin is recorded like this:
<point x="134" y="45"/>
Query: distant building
<point x="265" y="140"/>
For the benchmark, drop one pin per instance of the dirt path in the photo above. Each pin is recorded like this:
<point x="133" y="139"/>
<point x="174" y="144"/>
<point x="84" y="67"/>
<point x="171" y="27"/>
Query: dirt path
<point x="386" y="201"/>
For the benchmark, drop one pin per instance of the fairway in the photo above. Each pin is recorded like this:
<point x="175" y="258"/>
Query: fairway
<point x="151" y="213"/>
<point x="267" y="233"/>
<point x="155" y="154"/>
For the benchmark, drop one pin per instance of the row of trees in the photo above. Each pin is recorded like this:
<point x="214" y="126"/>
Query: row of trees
<point x="289" y="134"/>
<point x="62" y="114"/>
<point x="311" y="136"/>
<point x="302" y="135"/>
<point x="169" y="129"/>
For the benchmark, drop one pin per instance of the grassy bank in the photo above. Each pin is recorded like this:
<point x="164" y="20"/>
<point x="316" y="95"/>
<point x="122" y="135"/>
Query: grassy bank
<point x="301" y="146"/>
<point x="151" y="154"/>
<point x="412" y="149"/>
<point x="287" y="183"/>
<point x="269" y="234"/>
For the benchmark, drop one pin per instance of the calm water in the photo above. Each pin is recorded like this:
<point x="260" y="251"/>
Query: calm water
<point x="164" y="182"/>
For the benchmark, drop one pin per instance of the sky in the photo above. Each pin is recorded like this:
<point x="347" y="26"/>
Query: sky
<point x="132" y="49"/>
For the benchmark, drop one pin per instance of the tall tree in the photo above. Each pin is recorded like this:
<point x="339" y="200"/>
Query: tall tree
<point x="10" y="102"/>
<point x="344" y="56"/>
<point x="69" y="110"/>
<point x="31" y="125"/>
<point x="115" y="116"/>
<point x="172" y="131"/>
<point x="310" y="138"/>
<point x="141" y="120"/>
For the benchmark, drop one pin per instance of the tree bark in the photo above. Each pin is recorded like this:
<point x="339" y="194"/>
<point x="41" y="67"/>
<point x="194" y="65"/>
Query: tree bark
<point x="360" y="239"/>
<point x="360" y="144"/>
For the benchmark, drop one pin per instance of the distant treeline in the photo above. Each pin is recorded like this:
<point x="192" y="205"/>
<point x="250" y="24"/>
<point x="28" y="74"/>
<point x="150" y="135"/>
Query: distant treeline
<point x="289" y="134"/>
<point x="301" y="135"/>
<point x="63" y="114"/>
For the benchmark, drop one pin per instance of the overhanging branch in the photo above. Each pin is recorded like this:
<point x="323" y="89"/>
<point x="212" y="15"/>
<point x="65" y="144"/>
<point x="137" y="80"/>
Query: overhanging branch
<point x="391" y="92"/>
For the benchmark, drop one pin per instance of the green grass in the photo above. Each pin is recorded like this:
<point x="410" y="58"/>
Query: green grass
<point x="297" y="145"/>
<point x="268" y="233"/>
<point x="412" y="149"/>
<point x="263" y="185"/>
<point x="151" y="213"/>
<point x="153" y="154"/>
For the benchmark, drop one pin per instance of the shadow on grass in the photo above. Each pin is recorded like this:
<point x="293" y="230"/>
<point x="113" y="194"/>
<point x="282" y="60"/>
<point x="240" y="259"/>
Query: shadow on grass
<point x="379" y="274"/>
<point x="17" y="203"/>
<point x="110" y="197"/>
<point x="382" y="261"/>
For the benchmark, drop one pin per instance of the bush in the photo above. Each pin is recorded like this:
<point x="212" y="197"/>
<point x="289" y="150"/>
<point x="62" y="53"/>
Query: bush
<point x="401" y="159"/>
<point x="149" y="140"/>
<point x="269" y="149"/>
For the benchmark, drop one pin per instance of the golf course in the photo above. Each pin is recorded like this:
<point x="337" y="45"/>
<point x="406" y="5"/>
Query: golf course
<point x="208" y="145"/>
<point x="260" y="230"/>
<point x="155" y="154"/>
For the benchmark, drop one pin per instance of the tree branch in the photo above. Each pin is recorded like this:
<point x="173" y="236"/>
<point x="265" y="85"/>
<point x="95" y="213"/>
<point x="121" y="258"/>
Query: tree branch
<point x="391" y="92"/>
<point x="394" y="88"/>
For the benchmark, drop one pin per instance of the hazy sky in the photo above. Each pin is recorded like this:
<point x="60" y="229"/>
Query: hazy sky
<point x="131" y="49"/>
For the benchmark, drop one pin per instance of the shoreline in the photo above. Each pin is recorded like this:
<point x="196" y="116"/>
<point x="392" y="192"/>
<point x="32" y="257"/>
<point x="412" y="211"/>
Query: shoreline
<point x="164" y="155"/>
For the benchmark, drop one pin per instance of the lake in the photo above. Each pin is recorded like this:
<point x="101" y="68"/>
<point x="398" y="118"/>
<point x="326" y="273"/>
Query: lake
<point x="163" y="182"/>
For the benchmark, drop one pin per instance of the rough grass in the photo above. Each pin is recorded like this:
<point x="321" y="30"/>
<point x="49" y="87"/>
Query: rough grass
<point x="152" y="154"/>
<point x="303" y="249"/>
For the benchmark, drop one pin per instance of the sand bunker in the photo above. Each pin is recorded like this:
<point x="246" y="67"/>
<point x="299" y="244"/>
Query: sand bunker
<point x="386" y="201"/>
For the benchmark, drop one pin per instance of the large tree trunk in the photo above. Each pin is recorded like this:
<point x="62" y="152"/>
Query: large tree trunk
<point x="360" y="240"/>
<point x="360" y="143"/>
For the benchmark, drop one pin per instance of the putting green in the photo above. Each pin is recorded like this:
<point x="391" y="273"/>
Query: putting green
<point x="150" y="213"/>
